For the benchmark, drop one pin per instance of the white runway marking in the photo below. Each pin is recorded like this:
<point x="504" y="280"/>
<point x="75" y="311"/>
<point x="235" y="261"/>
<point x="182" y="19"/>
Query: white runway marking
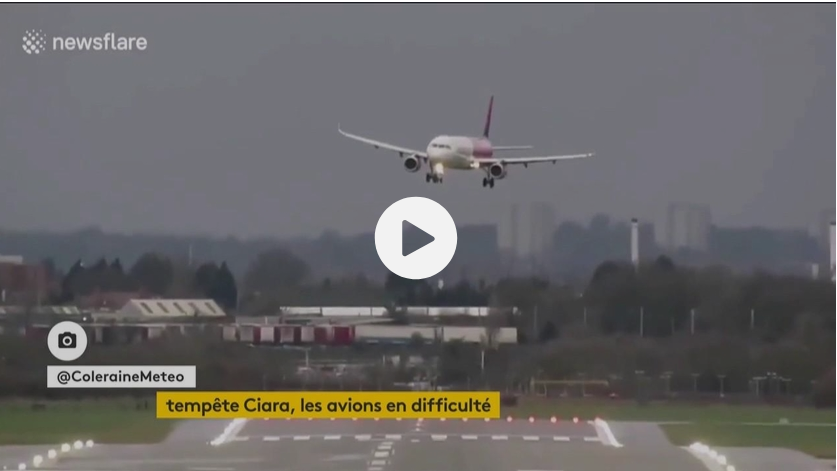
<point x="386" y="441"/>
<point x="381" y="454"/>
<point x="605" y="434"/>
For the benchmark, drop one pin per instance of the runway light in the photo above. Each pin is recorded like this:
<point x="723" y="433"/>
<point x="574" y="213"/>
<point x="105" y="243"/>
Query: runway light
<point x="21" y="466"/>
<point x="487" y="419"/>
<point x="730" y="468"/>
<point x="722" y="460"/>
<point x="553" y="419"/>
<point x="331" y="418"/>
<point x="442" y="419"/>
<point x="509" y="419"/>
<point x="65" y="447"/>
<point x="78" y="445"/>
<point x="464" y="419"/>
<point x="89" y="444"/>
<point x="398" y="419"/>
<point x="575" y="420"/>
<point x="37" y="460"/>
<point x="52" y="454"/>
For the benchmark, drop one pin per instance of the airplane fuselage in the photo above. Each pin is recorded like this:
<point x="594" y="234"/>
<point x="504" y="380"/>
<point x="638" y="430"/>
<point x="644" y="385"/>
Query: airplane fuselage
<point x="461" y="153"/>
<point x="457" y="153"/>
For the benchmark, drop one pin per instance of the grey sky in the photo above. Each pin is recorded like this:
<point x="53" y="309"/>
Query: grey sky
<point x="227" y="124"/>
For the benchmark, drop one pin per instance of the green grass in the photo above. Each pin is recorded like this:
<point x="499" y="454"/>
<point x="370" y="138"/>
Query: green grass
<point x="817" y="441"/>
<point x="103" y="421"/>
<point x="665" y="412"/>
<point x="712" y="424"/>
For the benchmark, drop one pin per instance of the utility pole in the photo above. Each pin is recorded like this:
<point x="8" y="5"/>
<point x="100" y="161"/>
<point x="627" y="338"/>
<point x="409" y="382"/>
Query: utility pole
<point x="535" y="325"/>
<point x="692" y="322"/>
<point x="642" y="322"/>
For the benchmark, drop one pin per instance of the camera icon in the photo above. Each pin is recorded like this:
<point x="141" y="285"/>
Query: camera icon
<point x="67" y="341"/>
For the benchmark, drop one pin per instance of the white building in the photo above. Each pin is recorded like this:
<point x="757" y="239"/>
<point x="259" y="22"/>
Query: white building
<point x="152" y="309"/>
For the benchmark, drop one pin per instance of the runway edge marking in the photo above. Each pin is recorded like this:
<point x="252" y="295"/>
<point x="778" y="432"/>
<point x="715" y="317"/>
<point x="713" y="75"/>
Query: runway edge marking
<point x="230" y="432"/>
<point x="605" y="434"/>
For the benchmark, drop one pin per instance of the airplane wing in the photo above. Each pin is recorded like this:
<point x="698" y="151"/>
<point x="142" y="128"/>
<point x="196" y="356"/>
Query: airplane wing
<point x="502" y="148"/>
<point x="383" y="145"/>
<point x="533" y="160"/>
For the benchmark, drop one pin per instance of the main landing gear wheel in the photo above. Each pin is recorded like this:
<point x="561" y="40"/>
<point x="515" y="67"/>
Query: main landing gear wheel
<point x="427" y="178"/>
<point x="486" y="182"/>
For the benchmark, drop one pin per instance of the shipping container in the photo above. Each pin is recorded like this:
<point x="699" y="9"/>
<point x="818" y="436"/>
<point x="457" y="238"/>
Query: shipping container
<point x="306" y="334"/>
<point x="343" y="335"/>
<point x="287" y="334"/>
<point x="366" y="333"/>
<point x="230" y="333"/>
<point x="267" y="335"/>
<point x="324" y="335"/>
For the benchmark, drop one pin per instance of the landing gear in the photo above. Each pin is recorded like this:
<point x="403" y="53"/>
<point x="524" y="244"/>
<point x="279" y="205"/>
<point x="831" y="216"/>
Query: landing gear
<point x="488" y="182"/>
<point x="432" y="178"/>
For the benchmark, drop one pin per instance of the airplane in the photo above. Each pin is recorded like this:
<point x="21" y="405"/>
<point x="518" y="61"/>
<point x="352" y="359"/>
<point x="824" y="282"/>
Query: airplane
<point x="462" y="153"/>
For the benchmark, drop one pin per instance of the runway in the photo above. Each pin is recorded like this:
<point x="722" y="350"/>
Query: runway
<point x="388" y="445"/>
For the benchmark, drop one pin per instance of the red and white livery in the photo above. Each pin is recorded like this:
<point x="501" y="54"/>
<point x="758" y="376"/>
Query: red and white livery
<point x="462" y="153"/>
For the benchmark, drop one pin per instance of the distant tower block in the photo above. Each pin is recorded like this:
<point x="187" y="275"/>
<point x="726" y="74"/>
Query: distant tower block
<point x="635" y="242"/>
<point x="831" y="247"/>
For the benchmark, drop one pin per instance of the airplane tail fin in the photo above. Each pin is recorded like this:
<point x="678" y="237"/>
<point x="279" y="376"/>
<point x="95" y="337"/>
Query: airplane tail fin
<point x="488" y="118"/>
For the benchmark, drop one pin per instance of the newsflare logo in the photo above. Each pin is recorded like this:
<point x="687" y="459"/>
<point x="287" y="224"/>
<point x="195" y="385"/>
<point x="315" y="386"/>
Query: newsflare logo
<point x="36" y="42"/>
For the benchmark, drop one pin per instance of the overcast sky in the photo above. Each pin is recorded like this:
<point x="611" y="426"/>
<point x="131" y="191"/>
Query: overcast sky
<point x="227" y="123"/>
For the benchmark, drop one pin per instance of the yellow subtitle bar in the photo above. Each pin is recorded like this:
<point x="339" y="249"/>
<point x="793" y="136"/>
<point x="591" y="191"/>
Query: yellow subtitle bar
<point x="327" y="405"/>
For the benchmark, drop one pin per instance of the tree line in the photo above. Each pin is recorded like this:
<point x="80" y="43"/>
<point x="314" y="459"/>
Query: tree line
<point x="655" y="300"/>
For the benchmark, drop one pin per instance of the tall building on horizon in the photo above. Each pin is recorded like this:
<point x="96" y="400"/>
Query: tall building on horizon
<point x="541" y="228"/>
<point x="688" y="226"/>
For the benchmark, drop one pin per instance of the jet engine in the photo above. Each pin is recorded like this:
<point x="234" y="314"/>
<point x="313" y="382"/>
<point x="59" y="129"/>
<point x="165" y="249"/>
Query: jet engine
<point x="412" y="164"/>
<point x="497" y="171"/>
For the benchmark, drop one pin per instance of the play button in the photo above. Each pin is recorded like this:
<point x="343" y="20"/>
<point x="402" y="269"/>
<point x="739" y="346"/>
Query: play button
<point x="415" y="238"/>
